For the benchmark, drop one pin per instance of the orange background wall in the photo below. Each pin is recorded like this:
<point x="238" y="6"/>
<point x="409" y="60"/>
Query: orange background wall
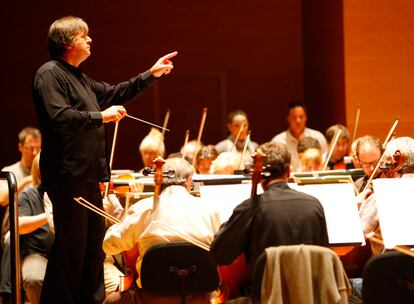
<point x="379" y="65"/>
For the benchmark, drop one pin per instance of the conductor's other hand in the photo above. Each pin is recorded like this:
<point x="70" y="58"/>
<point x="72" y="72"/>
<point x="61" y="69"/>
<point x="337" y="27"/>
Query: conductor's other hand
<point x="163" y="65"/>
<point x="114" y="113"/>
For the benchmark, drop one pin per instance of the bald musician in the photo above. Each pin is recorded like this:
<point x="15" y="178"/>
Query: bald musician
<point x="384" y="274"/>
<point x="72" y="110"/>
<point x="368" y="211"/>
<point x="368" y="151"/>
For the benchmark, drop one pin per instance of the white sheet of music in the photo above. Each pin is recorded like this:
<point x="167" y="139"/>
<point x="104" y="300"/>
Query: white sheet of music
<point x="395" y="203"/>
<point x="341" y="211"/>
<point x="224" y="198"/>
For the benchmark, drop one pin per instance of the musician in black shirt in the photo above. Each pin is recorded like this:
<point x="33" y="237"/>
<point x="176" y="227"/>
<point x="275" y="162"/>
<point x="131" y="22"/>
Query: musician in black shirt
<point x="72" y="109"/>
<point x="279" y="216"/>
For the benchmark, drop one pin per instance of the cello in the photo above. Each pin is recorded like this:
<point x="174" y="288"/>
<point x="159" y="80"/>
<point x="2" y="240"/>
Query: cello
<point x="234" y="277"/>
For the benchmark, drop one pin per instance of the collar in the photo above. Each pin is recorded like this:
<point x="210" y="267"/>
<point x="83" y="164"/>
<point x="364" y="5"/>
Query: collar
<point x="175" y="190"/>
<point x="293" y="138"/>
<point x="280" y="184"/>
<point x="69" y="67"/>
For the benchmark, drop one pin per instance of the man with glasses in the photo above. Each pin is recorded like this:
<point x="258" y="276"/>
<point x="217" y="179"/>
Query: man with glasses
<point x="368" y="151"/>
<point x="30" y="141"/>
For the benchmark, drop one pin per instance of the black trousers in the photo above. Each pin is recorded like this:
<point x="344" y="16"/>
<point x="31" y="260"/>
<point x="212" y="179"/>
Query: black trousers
<point x="74" y="272"/>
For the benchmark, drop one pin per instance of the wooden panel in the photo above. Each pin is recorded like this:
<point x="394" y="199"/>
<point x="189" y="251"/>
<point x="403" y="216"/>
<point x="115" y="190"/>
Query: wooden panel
<point x="379" y="45"/>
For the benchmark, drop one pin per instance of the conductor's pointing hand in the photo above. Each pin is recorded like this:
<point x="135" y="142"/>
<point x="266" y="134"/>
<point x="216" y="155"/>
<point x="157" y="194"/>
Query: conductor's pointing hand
<point x="163" y="65"/>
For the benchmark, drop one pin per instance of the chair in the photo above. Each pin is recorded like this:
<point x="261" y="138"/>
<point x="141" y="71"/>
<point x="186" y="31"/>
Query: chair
<point x="178" y="269"/>
<point x="389" y="278"/>
<point x="299" y="274"/>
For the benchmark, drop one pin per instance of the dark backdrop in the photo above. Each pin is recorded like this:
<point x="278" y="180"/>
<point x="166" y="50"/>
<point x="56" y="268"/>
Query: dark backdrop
<point x="252" y="55"/>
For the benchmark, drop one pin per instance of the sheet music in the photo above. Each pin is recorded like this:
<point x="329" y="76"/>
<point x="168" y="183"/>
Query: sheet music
<point x="395" y="203"/>
<point x="224" y="198"/>
<point x="341" y="211"/>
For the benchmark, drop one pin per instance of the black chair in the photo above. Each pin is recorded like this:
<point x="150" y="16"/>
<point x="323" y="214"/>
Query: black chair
<point x="178" y="269"/>
<point x="389" y="278"/>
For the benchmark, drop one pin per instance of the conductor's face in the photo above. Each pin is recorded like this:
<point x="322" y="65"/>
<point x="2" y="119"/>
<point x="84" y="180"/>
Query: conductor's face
<point x="81" y="47"/>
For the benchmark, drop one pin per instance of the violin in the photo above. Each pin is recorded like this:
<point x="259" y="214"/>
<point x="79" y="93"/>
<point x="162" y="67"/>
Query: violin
<point x="118" y="190"/>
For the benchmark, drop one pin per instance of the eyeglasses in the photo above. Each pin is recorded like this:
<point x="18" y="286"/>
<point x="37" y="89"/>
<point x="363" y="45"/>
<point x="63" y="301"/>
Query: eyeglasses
<point x="368" y="164"/>
<point x="31" y="148"/>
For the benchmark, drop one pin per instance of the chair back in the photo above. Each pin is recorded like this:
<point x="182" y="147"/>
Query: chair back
<point x="178" y="269"/>
<point x="389" y="278"/>
<point x="299" y="274"/>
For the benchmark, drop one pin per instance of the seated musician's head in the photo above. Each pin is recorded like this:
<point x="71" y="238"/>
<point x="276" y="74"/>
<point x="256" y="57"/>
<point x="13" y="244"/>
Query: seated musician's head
<point x="183" y="172"/>
<point x="312" y="160"/>
<point x="296" y="117"/>
<point x="189" y="149"/>
<point x="306" y="143"/>
<point x="399" y="157"/>
<point x="276" y="163"/>
<point x="151" y="147"/>
<point x="225" y="163"/>
<point x="341" y="147"/>
<point x="369" y="150"/>
<point x="235" y="121"/>
<point x="205" y="157"/>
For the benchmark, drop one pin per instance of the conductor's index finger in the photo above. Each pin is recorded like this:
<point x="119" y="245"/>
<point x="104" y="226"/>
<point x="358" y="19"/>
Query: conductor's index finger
<point x="170" y="55"/>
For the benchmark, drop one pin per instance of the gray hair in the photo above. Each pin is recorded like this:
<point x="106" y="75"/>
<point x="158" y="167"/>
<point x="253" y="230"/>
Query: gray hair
<point x="403" y="144"/>
<point x="183" y="170"/>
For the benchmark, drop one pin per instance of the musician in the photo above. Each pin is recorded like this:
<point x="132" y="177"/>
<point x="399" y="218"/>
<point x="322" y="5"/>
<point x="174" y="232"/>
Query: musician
<point x="29" y="141"/>
<point x="310" y="160"/>
<point x="36" y="236"/>
<point x="401" y="148"/>
<point x="279" y="216"/>
<point x="398" y="163"/>
<point x="72" y="109"/>
<point x="238" y="127"/>
<point x="225" y="163"/>
<point x="297" y="118"/>
<point x="205" y="157"/>
<point x="190" y="149"/>
<point x="368" y="150"/>
<point x="307" y="143"/>
<point x="176" y="208"/>
<point x="337" y="162"/>
<point x="151" y="147"/>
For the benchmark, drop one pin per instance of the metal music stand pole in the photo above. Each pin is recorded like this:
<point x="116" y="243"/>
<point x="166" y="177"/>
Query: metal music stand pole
<point x="14" y="236"/>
